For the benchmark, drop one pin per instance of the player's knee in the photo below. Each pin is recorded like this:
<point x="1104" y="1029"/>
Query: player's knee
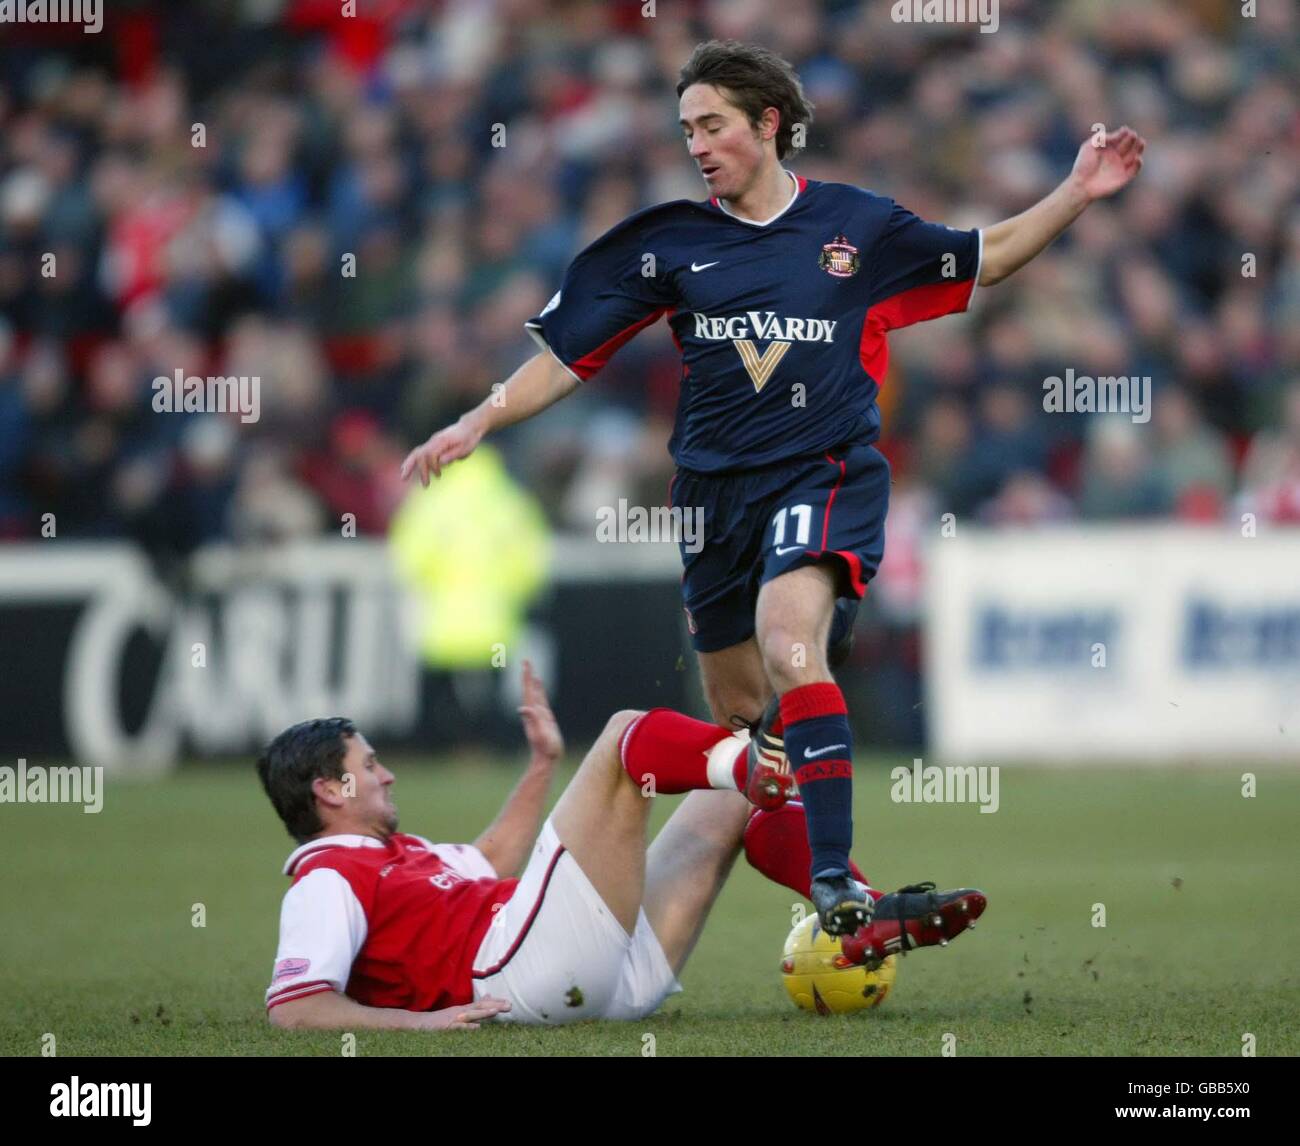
<point x="617" y="724"/>
<point x="791" y="657"/>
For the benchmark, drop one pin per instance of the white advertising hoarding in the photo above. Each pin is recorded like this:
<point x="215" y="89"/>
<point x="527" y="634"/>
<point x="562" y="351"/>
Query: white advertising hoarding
<point x="1133" y="643"/>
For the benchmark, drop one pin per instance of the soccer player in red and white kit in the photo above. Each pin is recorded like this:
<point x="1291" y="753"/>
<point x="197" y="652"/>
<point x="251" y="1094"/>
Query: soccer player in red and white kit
<point x="382" y="929"/>
<point x="780" y="292"/>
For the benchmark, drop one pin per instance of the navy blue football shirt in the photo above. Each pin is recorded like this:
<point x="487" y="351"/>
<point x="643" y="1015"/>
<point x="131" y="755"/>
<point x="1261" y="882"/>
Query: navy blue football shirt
<point x="781" y="324"/>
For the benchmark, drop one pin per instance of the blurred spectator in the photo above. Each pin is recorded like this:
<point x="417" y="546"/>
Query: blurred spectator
<point x="1119" y="477"/>
<point x="356" y="473"/>
<point x="1271" y="473"/>
<point x="1192" y="462"/>
<point x="1027" y="499"/>
<point x="13" y="434"/>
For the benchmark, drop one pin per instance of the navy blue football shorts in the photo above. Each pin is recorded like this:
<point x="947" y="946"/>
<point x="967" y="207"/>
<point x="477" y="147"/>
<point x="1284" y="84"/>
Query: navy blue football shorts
<point x="754" y="525"/>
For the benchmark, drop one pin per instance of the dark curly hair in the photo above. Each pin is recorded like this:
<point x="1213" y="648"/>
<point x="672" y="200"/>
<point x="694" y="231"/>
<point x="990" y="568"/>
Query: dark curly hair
<point x="293" y="760"/>
<point x="753" y="79"/>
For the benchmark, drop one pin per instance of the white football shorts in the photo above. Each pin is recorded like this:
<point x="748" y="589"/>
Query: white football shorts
<point x="558" y="955"/>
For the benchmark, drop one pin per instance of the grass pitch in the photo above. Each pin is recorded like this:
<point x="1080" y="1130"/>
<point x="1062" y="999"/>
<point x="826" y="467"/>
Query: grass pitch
<point x="1198" y="885"/>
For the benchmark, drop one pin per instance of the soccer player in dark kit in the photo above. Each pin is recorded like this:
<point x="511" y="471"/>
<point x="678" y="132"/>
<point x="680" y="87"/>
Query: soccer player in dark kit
<point x="780" y="292"/>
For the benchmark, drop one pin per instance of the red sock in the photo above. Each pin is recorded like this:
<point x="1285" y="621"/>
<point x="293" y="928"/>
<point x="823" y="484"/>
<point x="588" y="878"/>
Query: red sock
<point x="776" y="844"/>
<point x="673" y="752"/>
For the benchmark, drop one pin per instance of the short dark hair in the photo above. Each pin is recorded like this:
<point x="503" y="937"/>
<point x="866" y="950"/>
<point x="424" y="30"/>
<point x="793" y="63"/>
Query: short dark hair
<point x="295" y="758"/>
<point x="753" y="79"/>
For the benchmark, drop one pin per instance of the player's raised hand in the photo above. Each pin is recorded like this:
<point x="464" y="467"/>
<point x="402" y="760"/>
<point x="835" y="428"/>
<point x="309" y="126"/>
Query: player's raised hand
<point x="466" y="1018"/>
<point x="540" y="725"/>
<point x="446" y="446"/>
<point x="1103" y="170"/>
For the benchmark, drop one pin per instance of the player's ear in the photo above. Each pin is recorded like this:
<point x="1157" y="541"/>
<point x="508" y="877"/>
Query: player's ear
<point x="328" y="790"/>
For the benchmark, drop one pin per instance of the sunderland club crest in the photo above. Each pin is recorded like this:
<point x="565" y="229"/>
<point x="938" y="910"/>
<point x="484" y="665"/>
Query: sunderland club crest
<point x="839" y="258"/>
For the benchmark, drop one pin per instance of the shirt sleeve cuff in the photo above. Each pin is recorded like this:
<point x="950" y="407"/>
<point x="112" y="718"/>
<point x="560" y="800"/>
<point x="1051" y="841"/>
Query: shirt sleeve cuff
<point x="535" y="330"/>
<point x="979" y="265"/>
<point x="298" y="991"/>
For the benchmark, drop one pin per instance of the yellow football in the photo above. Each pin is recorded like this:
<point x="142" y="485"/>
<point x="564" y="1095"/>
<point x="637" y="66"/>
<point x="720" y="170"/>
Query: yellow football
<point x="819" y="978"/>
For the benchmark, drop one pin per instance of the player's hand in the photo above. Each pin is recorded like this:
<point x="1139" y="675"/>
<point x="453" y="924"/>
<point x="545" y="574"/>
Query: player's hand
<point x="540" y="725"/>
<point x="466" y="1018"/>
<point x="446" y="446"/>
<point x="1101" y="171"/>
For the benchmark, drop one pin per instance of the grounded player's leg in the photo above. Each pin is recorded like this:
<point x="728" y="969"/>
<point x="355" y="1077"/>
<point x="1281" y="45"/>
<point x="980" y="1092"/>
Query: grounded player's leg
<point x="659" y="752"/>
<point x="793" y="619"/>
<point x="686" y="866"/>
<point x="601" y="820"/>
<point x="602" y="814"/>
<point x="735" y="682"/>
<point x="667" y="752"/>
<point x="776" y="845"/>
<point x="559" y="948"/>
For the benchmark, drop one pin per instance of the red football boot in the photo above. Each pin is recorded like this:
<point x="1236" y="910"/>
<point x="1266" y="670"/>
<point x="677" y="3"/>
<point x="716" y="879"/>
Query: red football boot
<point x="914" y="916"/>
<point x="763" y="774"/>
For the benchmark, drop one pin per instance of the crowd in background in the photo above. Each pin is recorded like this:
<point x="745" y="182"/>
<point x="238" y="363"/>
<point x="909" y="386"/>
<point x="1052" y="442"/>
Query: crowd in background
<point x="463" y="152"/>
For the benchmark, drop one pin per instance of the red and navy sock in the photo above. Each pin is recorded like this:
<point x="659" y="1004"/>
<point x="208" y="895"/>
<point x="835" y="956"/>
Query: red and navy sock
<point x="820" y="747"/>
<point x="776" y="844"/>
<point x="675" y="753"/>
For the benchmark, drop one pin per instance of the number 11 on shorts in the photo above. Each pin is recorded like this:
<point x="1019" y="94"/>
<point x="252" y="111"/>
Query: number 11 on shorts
<point x="803" y="528"/>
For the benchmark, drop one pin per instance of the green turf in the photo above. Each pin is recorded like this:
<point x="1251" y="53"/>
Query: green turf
<point x="1199" y="886"/>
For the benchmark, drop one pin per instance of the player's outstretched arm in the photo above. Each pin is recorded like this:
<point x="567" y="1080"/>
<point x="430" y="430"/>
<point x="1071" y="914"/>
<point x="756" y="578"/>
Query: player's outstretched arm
<point x="329" y="1010"/>
<point x="1103" y="166"/>
<point x="509" y="838"/>
<point x="538" y="383"/>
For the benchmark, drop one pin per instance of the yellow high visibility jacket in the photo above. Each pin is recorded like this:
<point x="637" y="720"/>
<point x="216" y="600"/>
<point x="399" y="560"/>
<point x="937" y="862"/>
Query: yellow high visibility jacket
<point x="474" y="548"/>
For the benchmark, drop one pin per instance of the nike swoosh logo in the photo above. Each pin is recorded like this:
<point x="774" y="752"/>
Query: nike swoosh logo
<point x="704" y="266"/>
<point x="782" y="550"/>
<point x="808" y="754"/>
